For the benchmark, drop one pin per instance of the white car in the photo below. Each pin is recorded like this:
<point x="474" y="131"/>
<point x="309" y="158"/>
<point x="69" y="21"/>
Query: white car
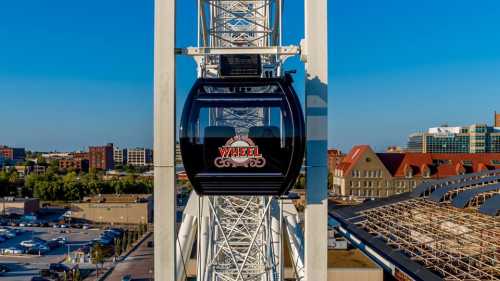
<point x="22" y="224"/>
<point x="9" y="234"/>
<point x="28" y="243"/>
<point x="13" y="251"/>
<point x="61" y="240"/>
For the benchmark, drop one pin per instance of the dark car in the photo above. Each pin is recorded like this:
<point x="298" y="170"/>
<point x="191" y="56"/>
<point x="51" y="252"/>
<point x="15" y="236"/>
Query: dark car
<point x="58" y="267"/>
<point x="53" y="244"/>
<point x="150" y="244"/>
<point x="44" y="273"/>
<point x="38" y="278"/>
<point x="4" y="268"/>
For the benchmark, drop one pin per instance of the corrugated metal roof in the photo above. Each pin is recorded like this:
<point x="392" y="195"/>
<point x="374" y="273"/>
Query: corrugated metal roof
<point x="438" y="194"/>
<point x="491" y="206"/>
<point x="463" y="198"/>
<point x="424" y="187"/>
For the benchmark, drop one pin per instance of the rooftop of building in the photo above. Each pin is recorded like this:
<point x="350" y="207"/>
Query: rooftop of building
<point x="118" y="198"/>
<point x="445" y="229"/>
<point x="437" y="165"/>
<point x="16" y="199"/>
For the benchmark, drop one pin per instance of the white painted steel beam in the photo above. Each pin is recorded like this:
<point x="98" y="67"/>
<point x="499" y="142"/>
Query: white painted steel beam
<point x="316" y="93"/>
<point x="274" y="50"/>
<point x="295" y="238"/>
<point x="164" y="141"/>
<point x="185" y="241"/>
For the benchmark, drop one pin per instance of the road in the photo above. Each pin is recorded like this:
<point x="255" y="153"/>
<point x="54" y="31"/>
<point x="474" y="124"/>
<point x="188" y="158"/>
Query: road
<point x="139" y="264"/>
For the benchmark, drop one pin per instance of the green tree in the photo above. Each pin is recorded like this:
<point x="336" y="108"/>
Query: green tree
<point x="97" y="257"/>
<point x="77" y="275"/>
<point x="118" y="246"/>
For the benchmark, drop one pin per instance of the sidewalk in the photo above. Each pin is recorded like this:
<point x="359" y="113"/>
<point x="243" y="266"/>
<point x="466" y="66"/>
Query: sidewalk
<point x="109" y="265"/>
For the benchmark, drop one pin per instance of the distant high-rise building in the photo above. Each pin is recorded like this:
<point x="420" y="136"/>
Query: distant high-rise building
<point x="120" y="156"/>
<point x="101" y="157"/>
<point x="13" y="154"/>
<point x="477" y="138"/>
<point x="139" y="157"/>
<point x="497" y="119"/>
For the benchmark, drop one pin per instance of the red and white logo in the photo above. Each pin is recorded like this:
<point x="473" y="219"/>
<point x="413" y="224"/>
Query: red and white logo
<point x="239" y="151"/>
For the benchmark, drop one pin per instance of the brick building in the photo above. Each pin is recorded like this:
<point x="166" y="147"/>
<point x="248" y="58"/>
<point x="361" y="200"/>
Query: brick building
<point x="334" y="158"/>
<point x="13" y="154"/>
<point x="364" y="173"/>
<point x="78" y="164"/>
<point x="101" y="157"/>
<point x="497" y="119"/>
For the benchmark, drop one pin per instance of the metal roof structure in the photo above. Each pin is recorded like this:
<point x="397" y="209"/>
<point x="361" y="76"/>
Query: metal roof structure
<point x="478" y="195"/>
<point x="450" y="191"/>
<point x="491" y="206"/>
<point x="427" y="237"/>
<point x="428" y="187"/>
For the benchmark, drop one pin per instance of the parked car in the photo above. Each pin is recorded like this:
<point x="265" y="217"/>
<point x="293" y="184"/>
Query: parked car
<point x="53" y="244"/>
<point x="28" y="243"/>
<point x="85" y="226"/>
<point x="39" y="240"/>
<point x="61" y="240"/>
<point x="10" y="234"/>
<point x="22" y="224"/>
<point x="127" y="277"/>
<point x="58" y="267"/>
<point x="38" y="278"/>
<point x="4" y="268"/>
<point x="13" y="251"/>
<point x="38" y="249"/>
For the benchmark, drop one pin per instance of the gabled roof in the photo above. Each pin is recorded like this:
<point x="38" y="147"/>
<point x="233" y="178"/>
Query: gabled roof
<point x="352" y="157"/>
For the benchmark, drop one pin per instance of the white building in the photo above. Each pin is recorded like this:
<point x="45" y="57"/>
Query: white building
<point x="119" y="156"/>
<point x="139" y="157"/>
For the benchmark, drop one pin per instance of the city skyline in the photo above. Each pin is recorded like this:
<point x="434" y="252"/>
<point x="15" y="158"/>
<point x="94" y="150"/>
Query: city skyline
<point x="74" y="75"/>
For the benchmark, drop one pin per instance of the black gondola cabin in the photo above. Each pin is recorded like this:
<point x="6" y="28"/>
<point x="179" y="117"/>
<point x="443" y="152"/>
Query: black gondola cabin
<point x="242" y="136"/>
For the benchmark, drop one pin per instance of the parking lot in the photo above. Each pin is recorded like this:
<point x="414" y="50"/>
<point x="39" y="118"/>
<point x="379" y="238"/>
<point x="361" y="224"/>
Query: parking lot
<point x="23" y="267"/>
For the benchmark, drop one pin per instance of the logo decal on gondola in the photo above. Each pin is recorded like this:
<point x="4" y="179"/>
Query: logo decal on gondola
<point x="240" y="151"/>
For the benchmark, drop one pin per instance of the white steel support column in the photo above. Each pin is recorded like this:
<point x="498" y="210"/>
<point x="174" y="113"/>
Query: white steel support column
<point x="316" y="217"/>
<point x="164" y="141"/>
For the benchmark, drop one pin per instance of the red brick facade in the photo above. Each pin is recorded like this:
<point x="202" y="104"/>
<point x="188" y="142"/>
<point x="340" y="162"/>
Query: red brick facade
<point x="101" y="157"/>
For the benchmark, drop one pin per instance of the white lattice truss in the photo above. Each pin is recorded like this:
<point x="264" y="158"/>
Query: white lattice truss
<point x="241" y="248"/>
<point x="244" y="23"/>
<point x="458" y="244"/>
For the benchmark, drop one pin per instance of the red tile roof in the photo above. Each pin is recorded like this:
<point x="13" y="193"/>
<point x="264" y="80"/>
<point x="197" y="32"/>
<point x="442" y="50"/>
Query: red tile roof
<point x="440" y="164"/>
<point x="352" y="157"/>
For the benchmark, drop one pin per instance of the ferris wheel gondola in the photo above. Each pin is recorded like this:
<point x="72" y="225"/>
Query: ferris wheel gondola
<point x="242" y="136"/>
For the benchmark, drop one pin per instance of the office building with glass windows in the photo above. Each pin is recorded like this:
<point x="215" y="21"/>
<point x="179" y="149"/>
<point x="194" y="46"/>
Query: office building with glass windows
<point x="477" y="138"/>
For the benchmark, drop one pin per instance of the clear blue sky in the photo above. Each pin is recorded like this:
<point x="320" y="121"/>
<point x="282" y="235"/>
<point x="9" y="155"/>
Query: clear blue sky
<point x="76" y="73"/>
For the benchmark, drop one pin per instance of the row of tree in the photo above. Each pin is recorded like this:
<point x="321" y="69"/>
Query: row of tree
<point x="99" y="253"/>
<point x="73" y="186"/>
